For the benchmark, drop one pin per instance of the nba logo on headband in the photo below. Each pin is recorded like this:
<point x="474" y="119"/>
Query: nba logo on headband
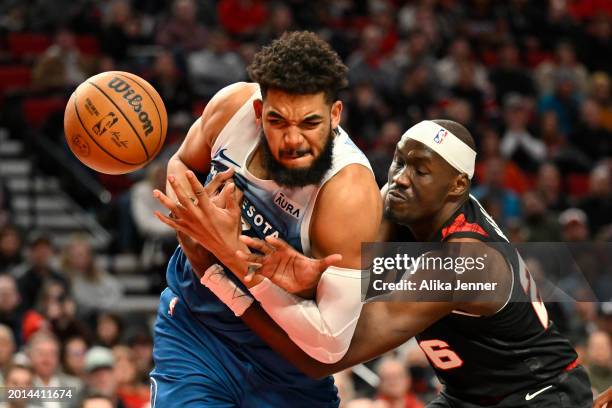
<point x="440" y="136"/>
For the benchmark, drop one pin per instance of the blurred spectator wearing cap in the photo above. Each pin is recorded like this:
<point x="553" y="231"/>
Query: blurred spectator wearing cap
<point x="32" y="275"/>
<point x="183" y="31"/>
<point x="599" y="360"/>
<point x="43" y="349"/>
<point x="11" y="312"/>
<point x="394" y="387"/>
<point x="93" y="289"/>
<point x="11" y="247"/>
<point x="518" y="144"/>
<point x="131" y="388"/>
<point x="7" y="348"/>
<point x="598" y="202"/>
<point x="18" y="376"/>
<point x="99" y="365"/>
<point x="574" y="225"/>
<point x="540" y="225"/>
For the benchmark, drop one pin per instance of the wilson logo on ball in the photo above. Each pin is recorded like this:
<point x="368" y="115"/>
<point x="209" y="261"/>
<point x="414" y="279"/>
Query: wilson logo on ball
<point x="105" y="123"/>
<point x="134" y="100"/>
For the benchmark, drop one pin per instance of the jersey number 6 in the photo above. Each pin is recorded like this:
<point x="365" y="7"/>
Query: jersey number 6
<point x="440" y="355"/>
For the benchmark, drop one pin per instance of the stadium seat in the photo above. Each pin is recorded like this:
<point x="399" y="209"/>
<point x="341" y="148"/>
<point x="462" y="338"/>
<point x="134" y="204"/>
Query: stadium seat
<point x="36" y="110"/>
<point x="26" y="45"/>
<point x="14" y="77"/>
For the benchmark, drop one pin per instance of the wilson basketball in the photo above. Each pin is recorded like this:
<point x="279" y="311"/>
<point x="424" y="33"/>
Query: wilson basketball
<point x="115" y="122"/>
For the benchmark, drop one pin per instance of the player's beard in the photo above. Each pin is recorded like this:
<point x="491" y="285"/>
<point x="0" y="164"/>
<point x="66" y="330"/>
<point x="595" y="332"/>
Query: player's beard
<point x="299" y="177"/>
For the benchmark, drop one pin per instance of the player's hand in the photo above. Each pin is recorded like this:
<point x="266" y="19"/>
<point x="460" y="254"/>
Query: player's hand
<point x="213" y="222"/>
<point x="604" y="400"/>
<point x="199" y="257"/>
<point x="283" y="265"/>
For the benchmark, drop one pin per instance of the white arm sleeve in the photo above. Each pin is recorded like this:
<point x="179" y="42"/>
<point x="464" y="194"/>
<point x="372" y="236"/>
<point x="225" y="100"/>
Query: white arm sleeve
<point x="323" y="329"/>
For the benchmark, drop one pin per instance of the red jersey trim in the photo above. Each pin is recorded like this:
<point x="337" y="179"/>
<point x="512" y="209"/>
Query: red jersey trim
<point x="460" y="224"/>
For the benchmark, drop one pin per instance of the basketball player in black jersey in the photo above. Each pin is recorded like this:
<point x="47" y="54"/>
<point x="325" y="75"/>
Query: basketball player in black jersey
<point x="501" y="353"/>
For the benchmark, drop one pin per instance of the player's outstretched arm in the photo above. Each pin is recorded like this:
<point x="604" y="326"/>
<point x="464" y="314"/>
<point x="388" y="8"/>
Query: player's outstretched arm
<point x="382" y="327"/>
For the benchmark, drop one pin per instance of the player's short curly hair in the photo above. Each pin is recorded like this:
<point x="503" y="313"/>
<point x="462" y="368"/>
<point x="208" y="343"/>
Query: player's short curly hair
<point x="299" y="62"/>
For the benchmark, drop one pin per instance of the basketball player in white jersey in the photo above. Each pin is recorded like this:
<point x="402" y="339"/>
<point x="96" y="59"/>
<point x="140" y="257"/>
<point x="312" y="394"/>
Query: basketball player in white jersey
<point x="300" y="177"/>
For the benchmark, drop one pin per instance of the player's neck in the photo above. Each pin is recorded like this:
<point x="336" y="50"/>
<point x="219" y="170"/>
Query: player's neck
<point x="425" y="230"/>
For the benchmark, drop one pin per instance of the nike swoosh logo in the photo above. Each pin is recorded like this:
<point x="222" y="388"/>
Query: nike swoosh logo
<point x="221" y="153"/>
<point x="529" y="396"/>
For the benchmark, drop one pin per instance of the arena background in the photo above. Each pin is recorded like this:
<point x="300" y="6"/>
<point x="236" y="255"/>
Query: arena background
<point x="83" y="257"/>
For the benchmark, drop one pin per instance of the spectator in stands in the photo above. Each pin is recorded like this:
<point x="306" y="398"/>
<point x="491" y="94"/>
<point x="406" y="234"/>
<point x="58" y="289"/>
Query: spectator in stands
<point x="43" y="349"/>
<point x="172" y="87"/>
<point x="365" y="114"/>
<point x="73" y="356"/>
<point x="99" y="365"/>
<point x="7" y="348"/>
<point x="18" y="376"/>
<point x="6" y="204"/>
<point x="549" y="184"/>
<point x="382" y="154"/>
<point x="590" y="136"/>
<point x="459" y="54"/>
<point x="467" y="89"/>
<point x="120" y="31"/>
<point x="513" y="178"/>
<point x="567" y="157"/>
<point x="564" y="100"/>
<point x="11" y="312"/>
<point x="32" y="275"/>
<point x="394" y="387"/>
<point x="11" y="248"/>
<point x="414" y="96"/>
<point x="214" y="66"/>
<point x="598" y="202"/>
<point x="598" y="42"/>
<point x="565" y="61"/>
<point x="493" y="191"/>
<point x="599" y="360"/>
<point x="509" y="76"/>
<point x="540" y="225"/>
<point x="62" y="65"/>
<point x="96" y="400"/>
<point x="517" y="143"/>
<point x="130" y="388"/>
<point x="367" y="64"/>
<point x="141" y="343"/>
<point x="109" y="327"/>
<point x="183" y="32"/>
<point x="574" y="225"/>
<point x="601" y="91"/>
<point x="93" y="289"/>
<point x="242" y="19"/>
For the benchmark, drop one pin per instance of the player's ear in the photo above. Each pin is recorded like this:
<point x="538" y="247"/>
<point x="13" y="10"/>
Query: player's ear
<point x="460" y="186"/>
<point x="336" y="114"/>
<point x="258" y="107"/>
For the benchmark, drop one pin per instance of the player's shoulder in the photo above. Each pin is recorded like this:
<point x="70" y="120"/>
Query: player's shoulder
<point x="351" y="185"/>
<point x="224" y="105"/>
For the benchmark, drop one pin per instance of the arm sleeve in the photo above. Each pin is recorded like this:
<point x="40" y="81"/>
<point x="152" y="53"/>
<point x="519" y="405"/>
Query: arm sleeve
<point x="323" y="328"/>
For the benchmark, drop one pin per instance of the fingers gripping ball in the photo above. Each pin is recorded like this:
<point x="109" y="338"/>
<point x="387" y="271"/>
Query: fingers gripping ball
<point x="115" y="122"/>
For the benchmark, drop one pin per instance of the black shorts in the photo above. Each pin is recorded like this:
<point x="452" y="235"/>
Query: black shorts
<point x="571" y="389"/>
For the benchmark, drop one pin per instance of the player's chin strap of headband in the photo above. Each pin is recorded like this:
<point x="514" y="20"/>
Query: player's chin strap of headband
<point x="323" y="328"/>
<point x="447" y="145"/>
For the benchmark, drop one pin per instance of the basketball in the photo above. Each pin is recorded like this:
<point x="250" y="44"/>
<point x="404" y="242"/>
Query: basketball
<point x="115" y="122"/>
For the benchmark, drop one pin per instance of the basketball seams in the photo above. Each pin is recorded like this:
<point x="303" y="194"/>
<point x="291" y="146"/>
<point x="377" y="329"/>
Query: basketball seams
<point x="76" y="110"/>
<point x="124" y="116"/>
<point x="161" y="124"/>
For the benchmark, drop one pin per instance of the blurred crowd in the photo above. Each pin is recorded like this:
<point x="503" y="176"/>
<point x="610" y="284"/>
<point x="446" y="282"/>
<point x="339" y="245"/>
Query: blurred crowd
<point x="531" y="79"/>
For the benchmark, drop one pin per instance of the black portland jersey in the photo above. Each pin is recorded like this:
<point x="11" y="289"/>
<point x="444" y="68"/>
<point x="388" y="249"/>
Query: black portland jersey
<point x="480" y="358"/>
